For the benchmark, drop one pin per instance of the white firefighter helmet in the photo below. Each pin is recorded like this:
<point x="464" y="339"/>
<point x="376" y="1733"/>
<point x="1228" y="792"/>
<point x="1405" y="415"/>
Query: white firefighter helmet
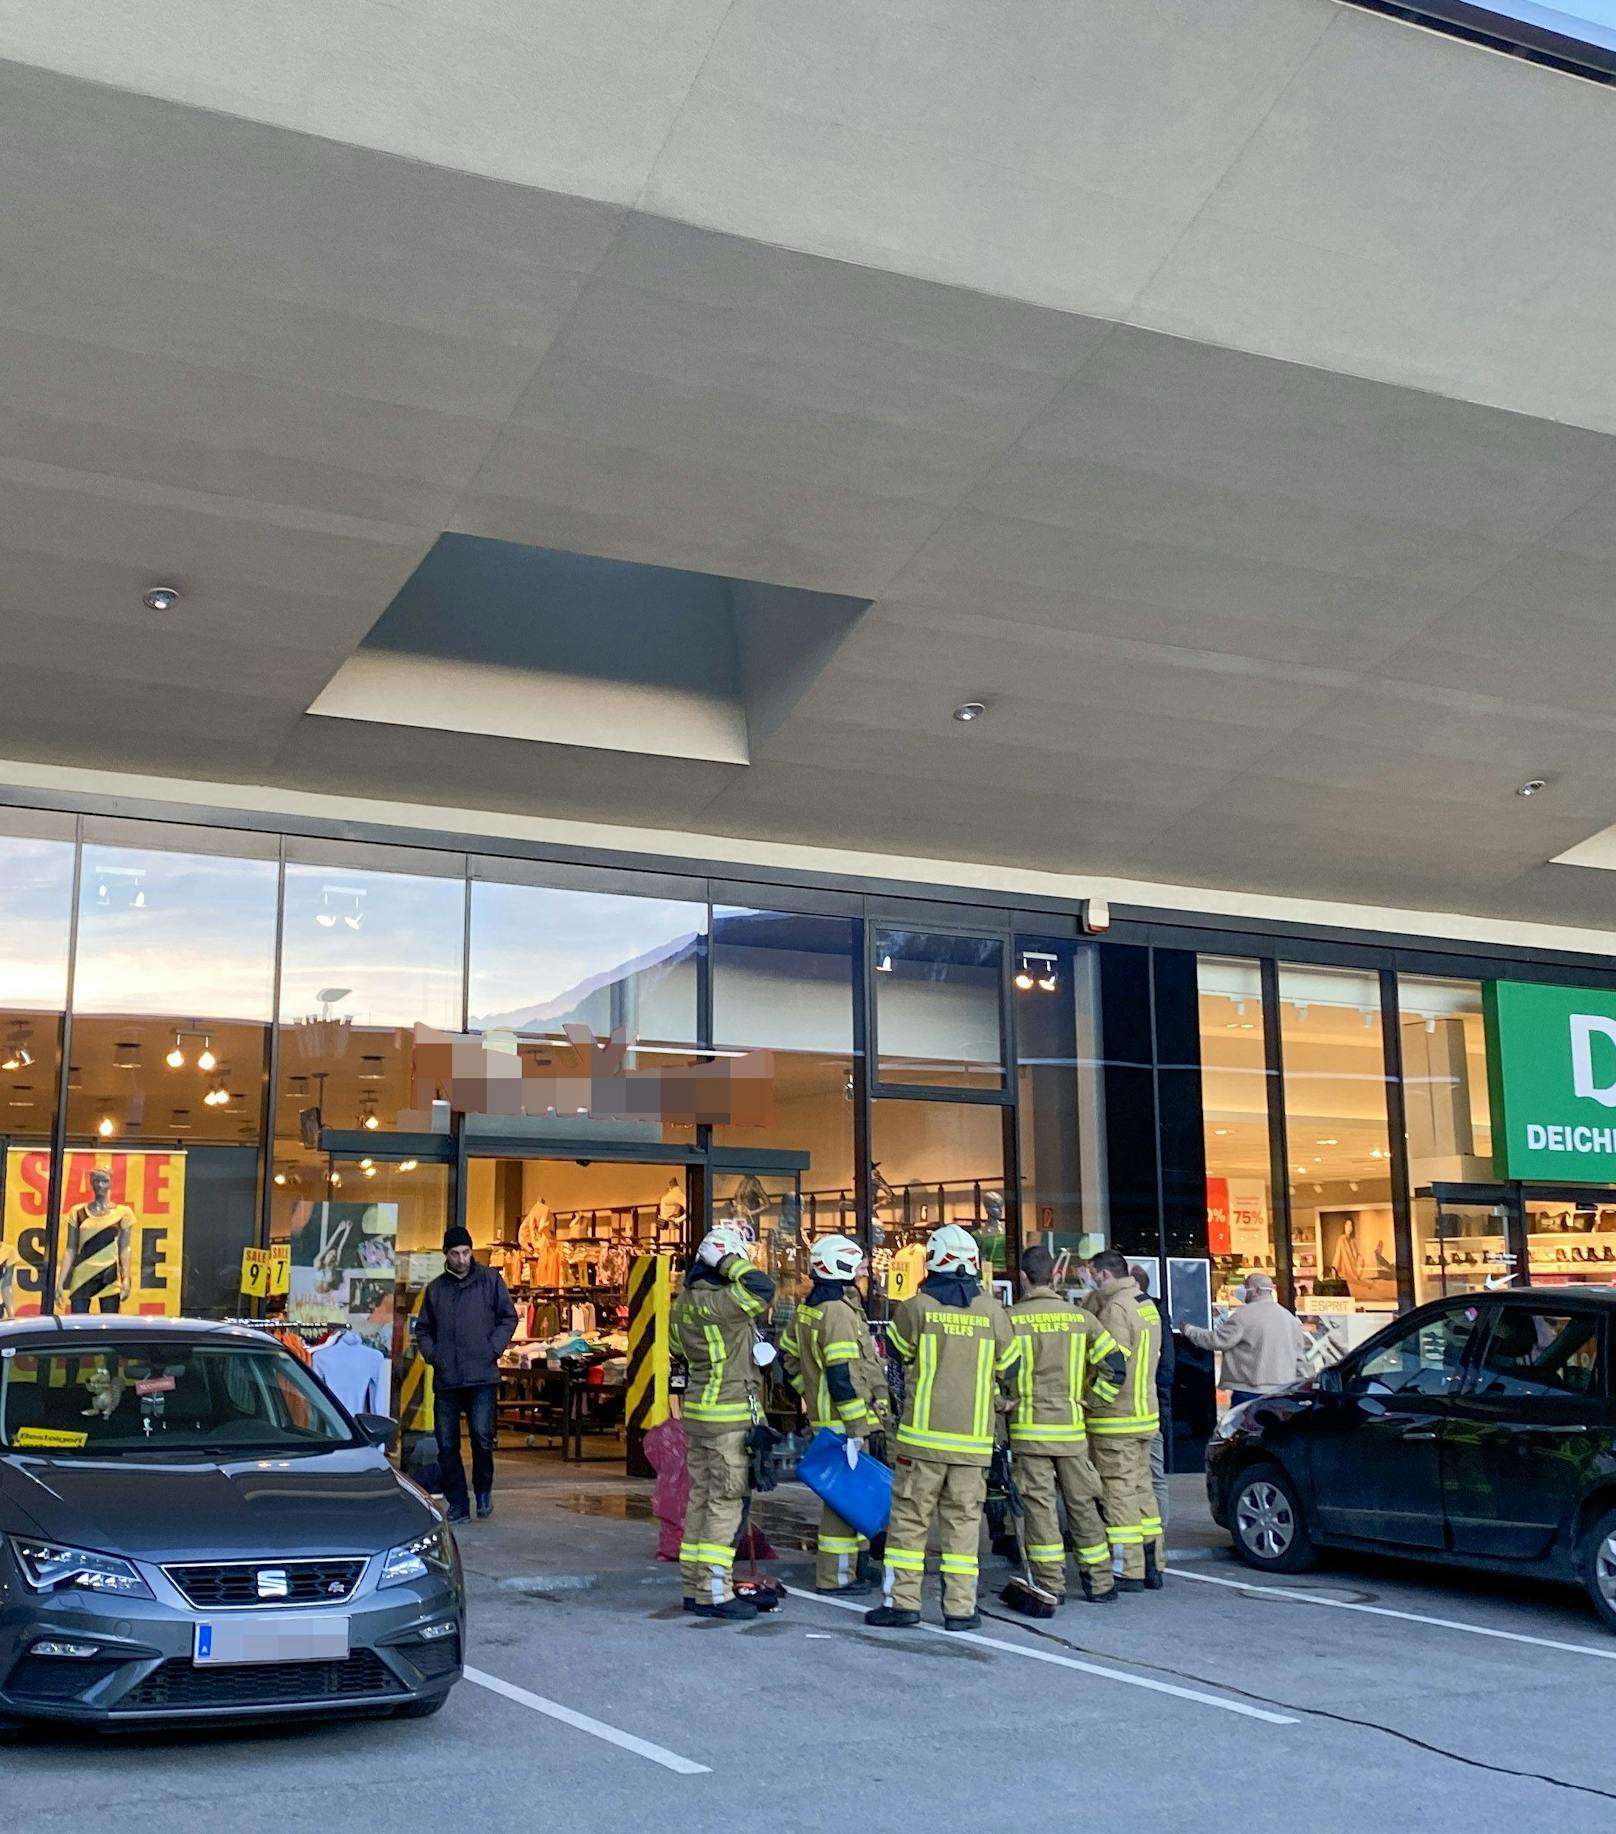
<point x="835" y="1257"/>
<point x="952" y="1250"/>
<point x="722" y="1241"/>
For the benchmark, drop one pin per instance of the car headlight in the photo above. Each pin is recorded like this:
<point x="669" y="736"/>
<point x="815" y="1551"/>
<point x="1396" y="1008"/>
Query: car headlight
<point x="1233" y="1421"/>
<point x="418" y="1559"/>
<point x="48" y="1567"/>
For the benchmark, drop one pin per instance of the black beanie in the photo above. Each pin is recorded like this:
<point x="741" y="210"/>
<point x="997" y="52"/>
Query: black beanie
<point x="456" y="1237"/>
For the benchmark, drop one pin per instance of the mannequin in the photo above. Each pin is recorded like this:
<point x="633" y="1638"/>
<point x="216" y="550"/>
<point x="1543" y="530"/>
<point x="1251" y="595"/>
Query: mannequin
<point x="671" y="1204"/>
<point x="535" y="1226"/>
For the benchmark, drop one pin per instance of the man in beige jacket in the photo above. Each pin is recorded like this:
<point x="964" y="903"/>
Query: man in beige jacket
<point x="1263" y="1346"/>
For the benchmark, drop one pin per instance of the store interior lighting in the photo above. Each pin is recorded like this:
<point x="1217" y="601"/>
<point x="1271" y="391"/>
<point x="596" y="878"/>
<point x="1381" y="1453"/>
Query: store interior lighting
<point x="17" y="1054"/>
<point x="884" y="966"/>
<point x="1037" y="969"/>
<point x="106" y="1127"/>
<point x="206" y="1061"/>
<point x="341" y="904"/>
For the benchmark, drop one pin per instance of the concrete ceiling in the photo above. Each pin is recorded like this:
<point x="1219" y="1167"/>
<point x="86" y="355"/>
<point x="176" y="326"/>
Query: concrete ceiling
<point x="1221" y="394"/>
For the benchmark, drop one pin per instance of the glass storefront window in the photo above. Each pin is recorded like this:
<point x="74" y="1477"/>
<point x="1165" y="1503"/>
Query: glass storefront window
<point x="370" y="950"/>
<point x="184" y="924"/>
<point x="1459" y="1247"/>
<point x="1058" y="1056"/>
<point x="1343" y="1239"/>
<point x="934" y="1163"/>
<point x="1570" y="1241"/>
<point x="172" y="987"/>
<point x="783" y="985"/>
<point x="595" y="995"/>
<point x="1235" y="1104"/>
<point x="36" y="897"/>
<point x="1445" y="1081"/>
<point x="938" y="1009"/>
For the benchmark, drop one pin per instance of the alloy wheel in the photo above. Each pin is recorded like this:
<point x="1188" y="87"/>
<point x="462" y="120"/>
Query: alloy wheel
<point x="1268" y="1524"/>
<point x="1605" y="1570"/>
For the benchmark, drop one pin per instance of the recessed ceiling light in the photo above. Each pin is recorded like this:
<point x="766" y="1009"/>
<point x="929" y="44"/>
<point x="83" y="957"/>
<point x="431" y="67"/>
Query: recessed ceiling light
<point x="161" y="598"/>
<point x="1532" y="785"/>
<point x="969" y="710"/>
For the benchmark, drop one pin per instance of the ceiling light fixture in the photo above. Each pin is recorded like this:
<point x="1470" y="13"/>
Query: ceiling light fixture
<point x="205" y="1059"/>
<point x="408" y="1165"/>
<point x="280" y="1178"/>
<point x="176" y="1057"/>
<point x="884" y="966"/>
<point x="371" y="1123"/>
<point x="1532" y="785"/>
<point x="160" y="598"/>
<point x="106" y="1127"/>
<point x="970" y="710"/>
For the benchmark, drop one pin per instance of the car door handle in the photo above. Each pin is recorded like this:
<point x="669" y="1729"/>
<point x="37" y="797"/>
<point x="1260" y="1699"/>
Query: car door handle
<point x="1418" y="1432"/>
<point x="1570" y="1428"/>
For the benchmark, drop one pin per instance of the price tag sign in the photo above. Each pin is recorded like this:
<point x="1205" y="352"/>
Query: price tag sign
<point x="255" y="1272"/>
<point x="280" y="1268"/>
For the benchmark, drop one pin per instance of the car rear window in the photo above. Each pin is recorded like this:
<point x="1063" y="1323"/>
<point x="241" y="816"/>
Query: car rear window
<point x="206" y="1397"/>
<point x="1542" y="1353"/>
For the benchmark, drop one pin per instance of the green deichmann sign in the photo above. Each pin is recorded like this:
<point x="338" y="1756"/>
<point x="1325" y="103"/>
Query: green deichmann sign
<point x="1551" y="1073"/>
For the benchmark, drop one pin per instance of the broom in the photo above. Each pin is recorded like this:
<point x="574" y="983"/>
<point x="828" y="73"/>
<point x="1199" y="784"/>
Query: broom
<point x="1022" y="1594"/>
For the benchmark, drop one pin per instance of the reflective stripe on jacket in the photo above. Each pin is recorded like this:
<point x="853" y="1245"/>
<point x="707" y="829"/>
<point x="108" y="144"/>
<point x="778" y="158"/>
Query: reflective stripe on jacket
<point x="1064" y="1351"/>
<point x="956" y="1357"/>
<point x="713" y="1323"/>
<point x="1132" y="1411"/>
<point x="828" y="1348"/>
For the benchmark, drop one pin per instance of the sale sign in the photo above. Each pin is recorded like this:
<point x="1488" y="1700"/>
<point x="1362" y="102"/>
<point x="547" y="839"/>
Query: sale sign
<point x="142" y="1226"/>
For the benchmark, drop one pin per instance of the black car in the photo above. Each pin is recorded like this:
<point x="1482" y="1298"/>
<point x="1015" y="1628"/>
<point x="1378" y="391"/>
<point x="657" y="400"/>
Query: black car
<point x="192" y="1528"/>
<point x="1478" y="1430"/>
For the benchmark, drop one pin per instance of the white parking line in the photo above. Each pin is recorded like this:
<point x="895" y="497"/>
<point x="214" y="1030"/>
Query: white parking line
<point x="596" y="1728"/>
<point x="1407" y="1617"/>
<point x="1084" y="1668"/>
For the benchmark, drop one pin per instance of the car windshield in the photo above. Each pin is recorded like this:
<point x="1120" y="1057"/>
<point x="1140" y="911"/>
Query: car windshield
<point x="199" y="1397"/>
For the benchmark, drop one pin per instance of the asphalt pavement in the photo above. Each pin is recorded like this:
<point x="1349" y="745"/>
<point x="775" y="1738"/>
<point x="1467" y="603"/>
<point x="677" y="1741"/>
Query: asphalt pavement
<point x="1364" y="1695"/>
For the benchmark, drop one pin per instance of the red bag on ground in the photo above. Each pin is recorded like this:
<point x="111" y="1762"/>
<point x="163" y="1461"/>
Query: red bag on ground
<point x="664" y="1448"/>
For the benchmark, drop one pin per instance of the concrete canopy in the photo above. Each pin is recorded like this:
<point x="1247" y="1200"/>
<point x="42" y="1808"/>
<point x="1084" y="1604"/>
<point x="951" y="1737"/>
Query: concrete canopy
<point x="1221" y="395"/>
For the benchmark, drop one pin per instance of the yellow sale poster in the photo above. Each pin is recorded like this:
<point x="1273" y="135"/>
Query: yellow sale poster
<point x="120" y="1232"/>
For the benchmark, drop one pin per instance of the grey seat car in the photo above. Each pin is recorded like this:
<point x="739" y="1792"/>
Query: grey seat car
<point x="191" y="1528"/>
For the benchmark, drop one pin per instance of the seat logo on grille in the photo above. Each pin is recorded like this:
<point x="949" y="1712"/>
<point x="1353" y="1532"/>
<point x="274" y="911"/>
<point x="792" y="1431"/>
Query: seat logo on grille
<point x="273" y="1583"/>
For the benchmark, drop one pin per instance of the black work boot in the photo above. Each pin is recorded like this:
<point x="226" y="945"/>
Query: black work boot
<point x="1125" y="1584"/>
<point x="1155" y="1579"/>
<point x="973" y="1622"/>
<point x="888" y="1617"/>
<point x="1093" y="1594"/>
<point x="735" y="1610"/>
<point x="857" y="1588"/>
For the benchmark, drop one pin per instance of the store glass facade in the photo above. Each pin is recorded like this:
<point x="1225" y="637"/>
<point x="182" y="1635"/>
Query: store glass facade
<point x="215" y="1040"/>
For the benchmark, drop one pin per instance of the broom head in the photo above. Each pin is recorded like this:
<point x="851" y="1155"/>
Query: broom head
<point x="1028" y="1600"/>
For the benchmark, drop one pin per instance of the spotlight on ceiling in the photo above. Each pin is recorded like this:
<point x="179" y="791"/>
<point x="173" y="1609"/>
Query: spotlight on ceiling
<point x="205" y="1059"/>
<point x="175" y="1059"/>
<point x="969" y="710"/>
<point x="1532" y="785"/>
<point x="106" y="1127"/>
<point x="370" y="1123"/>
<point x="161" y="598"/>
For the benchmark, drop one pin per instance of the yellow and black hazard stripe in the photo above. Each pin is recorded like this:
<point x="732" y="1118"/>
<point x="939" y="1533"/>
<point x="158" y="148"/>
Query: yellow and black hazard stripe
<point x="650" y="1292"/>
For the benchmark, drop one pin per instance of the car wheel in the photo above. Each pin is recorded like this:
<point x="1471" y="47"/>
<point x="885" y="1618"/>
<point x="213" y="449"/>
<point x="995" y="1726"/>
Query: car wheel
<point x="1599" y="1566"/>
<point x="422" y="1709"/>
<point x="1266" y="1522"/>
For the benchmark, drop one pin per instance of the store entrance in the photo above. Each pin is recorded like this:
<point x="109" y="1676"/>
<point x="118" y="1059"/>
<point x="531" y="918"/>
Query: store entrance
<point x="1467" y="1236"/>
<point x="566" y="1233"/>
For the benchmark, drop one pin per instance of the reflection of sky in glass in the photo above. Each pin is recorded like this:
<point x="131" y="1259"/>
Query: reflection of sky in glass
<point x="1592" y="21"/>
<point x="401" y="966"/>
<point x="178" y="934"/>
<point x="36" y="894"/>
<point x="531" y="947"/>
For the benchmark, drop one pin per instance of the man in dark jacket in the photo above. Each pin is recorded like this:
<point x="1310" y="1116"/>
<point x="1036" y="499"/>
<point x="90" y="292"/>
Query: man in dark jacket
<point x="465" y="1322"/>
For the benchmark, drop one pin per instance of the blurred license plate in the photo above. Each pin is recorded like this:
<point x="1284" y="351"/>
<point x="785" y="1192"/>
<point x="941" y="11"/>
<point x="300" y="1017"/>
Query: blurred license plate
<point x="277" y="1638"/>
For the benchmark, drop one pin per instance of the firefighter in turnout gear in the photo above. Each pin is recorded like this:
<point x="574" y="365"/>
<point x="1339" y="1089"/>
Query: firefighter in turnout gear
<point x="1065" y="1352"/>
<point x="1123" y="1424"/>
<point x="713" y="1323"/>
<point x="833" y="1364"/>
<point x="958" y="1349"/>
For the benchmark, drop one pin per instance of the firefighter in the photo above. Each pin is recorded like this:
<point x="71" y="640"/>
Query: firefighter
<point x="713" y="1323"/>
<point x="957" y="1347"/>
<point x="1065" y="1351"/>
<point x="833" y="1364"/>
<point x="1123" y="1426"/>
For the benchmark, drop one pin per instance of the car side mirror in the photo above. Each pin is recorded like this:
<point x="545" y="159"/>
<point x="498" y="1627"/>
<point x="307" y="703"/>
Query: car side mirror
<point x="378" y="1429"/>
<point x="1330" y="1382"/>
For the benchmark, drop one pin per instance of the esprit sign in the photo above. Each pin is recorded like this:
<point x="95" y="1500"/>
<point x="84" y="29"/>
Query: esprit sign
<point x="1551" y="1070"/>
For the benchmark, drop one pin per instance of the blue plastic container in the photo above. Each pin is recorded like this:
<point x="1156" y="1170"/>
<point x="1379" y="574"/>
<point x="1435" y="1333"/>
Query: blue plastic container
<point x="860" y="1494"/>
